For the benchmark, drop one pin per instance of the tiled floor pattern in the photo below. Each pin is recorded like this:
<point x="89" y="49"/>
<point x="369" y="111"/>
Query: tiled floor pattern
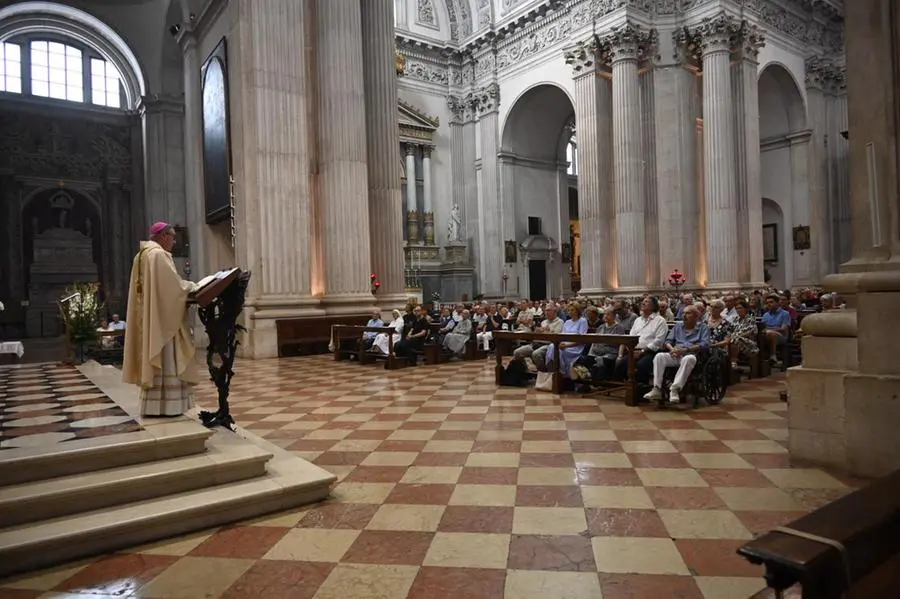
<point x="450" y="488"/>
<point x="44" y="404"/>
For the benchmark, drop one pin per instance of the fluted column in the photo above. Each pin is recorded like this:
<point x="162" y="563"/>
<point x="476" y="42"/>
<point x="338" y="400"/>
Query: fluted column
<point x="427" y="208"/>
<point x="163" y="119"/>
<point x="718" y="143"/>
<point x="458" y="163"/>
<point x="593" y="121"/>
<point x="194" y="198"/>
<point x="491" y="259"/>
<point x="651" y="210"/>
<point x="412" y="208"/>
<point x="625" y="46"/>
<point x="470" y="186"/>
<point x="745" y="87"/>
<point x="839" y="161"/>
<point x="382" y="141"/>
<point x="343" y="176"/>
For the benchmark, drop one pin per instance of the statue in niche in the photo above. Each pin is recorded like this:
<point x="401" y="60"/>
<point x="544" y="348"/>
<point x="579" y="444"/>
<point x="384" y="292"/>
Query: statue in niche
<point x="63" y="219"/>
<point x="453" y="227"/>
<point x="88" y="227"/>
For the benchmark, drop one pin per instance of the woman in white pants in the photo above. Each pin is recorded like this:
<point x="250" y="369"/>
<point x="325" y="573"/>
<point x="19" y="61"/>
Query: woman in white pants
<point x="381" y="339"/>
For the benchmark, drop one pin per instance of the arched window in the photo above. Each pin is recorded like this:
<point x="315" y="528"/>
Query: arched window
<point x="60" y="69"/>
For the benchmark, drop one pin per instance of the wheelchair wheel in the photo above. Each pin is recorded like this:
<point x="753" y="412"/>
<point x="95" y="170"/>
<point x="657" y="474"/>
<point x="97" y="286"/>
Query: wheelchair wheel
<point x="715" y="380"/>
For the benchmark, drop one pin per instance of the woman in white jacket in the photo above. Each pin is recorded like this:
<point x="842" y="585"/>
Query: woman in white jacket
<point x="381" y="340"/>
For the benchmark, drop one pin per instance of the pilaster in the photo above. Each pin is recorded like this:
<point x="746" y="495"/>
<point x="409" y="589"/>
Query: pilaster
<point x="163" y="121"/>
<point x="648" y="144"/>
<point x="382" y="141"/>
<point x="471" y="227"/>
<point x="488" y="179"/>
<point x="593" y="119"/>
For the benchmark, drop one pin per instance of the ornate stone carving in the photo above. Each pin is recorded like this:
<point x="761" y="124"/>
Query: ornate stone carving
<point x="488" y="98"/>
<point x="581" y="57"/>
<point x="457" y="108"/>
<point x="425" y="14"/>
<point x="627" y="42"/>
<point x="686" y="44"/>
<point x="823" y="74"/>
<point x="427" y="73"/>
<point x="428" y="226"/>
<point x="484" y="14"/>
<point x="718" y="33"/>
<point x="460" y="19"/>
<point x="471" y="106"/>
<point x="749" y="40"/>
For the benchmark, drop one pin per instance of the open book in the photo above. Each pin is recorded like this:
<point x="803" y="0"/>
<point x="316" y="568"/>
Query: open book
<point x="218" y="276"/>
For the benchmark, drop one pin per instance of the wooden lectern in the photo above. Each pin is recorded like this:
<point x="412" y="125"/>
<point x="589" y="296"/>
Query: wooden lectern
<point x="220" y="300"/>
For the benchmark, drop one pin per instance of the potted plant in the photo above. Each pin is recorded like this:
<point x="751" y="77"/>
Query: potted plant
<point x="81" y="309"/>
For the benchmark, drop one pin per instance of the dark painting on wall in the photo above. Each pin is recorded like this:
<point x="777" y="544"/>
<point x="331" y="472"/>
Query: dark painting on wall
<point x="216" y="143"/>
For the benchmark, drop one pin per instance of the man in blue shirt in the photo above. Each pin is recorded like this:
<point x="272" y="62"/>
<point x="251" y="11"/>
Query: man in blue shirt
<point x="369" y="336"/>
<point x="778" y="326"/>
<point x="684" y="341"/>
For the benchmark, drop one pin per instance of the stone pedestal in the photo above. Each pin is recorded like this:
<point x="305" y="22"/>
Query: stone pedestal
<point x="457" y="280"/>
<point x="456" y="254"/>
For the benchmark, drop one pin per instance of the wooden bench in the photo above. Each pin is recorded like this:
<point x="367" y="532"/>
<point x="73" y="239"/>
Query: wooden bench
<point x="866" y="523"/>
<point x="504" y="340"/>
<point x="307" y="336"/>
<point x="434" y="353"/>
<point x="343" y="332"/>
<point x="112" y="353"/>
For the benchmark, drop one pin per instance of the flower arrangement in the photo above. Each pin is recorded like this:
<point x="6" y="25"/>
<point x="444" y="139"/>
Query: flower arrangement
<point x="436" y="296"/>
<point x="81" y="310"/>
<point x="676" y="279"/>
<point x="375" y="283"/>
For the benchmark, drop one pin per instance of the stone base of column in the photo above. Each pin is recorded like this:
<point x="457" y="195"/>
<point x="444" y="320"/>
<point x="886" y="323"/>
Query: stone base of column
<point x="261" y="338"/>
<point x="348" y="303"/>
<point x="428" y="226"/>
<point x="412" y="226"/>
<point x="390" y="301"/>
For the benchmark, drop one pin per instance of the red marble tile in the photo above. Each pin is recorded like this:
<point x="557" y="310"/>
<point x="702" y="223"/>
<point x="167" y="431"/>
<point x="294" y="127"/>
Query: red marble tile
<point x="546" y="460"/>
<point x="701" y="447"/>
<point x="421" y="494"/>
<point x="376" y="474"/>
<point x="648" y="586"/>
<point x="341" y="424"/>
<point x="768" y="460"/>
<point x="311" y="445"/>
<point x="761" y="522"/>
<point x="625" y="523"/>
<point x="685" y="498"/>
<point x="341" y="458"/>
<point x="572" y="553"/>
<point x="464" y="518"/>
<point x="545" y="435"/>
<point x="409" y="446"/>
<point x="679" y="424"/>
<point x="452" y="435"/>
<point x="617" y="477"/>
<point x="240" y="542"/>
<point x="117" y="574"/>
<point x="465" y="417"/>
<point x="456" y="583"/>
<point x="543" y="416"/>
<point x="587" y="425"/>
<point x="726" y="477"/>
<point x="271" y="579"/>
<point x="19" y="593"/>
<point x="717" y="557"/>
<point x="332" y="514"/>
<point x="497" y="447"/>
<point x="549" y="496"/>
<point x="389" y="547"/>
<point x="658" y="460"/>
<point x="738" y="434"/>
<point x="488" y="476"/>
<point x="639" y="435"/>
<point x="369" y="434"/>
<point x="596" y="447"/>
<point x="420" y="425"/>
<point x="437" y="458"/>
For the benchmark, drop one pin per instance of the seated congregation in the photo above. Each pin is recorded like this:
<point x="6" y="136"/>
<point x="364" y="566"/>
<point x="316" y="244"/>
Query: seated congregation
<point x="584" y="343"/>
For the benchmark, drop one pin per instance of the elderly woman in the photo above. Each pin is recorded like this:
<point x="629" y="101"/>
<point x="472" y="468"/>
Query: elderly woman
<point x="594" y="320"/>
<point x="743" y="332"/>
<point x="381" y="339"/>
<point x="569" y="351"/>
<point x="455" y="340"/>
<point x="719" y="327"/>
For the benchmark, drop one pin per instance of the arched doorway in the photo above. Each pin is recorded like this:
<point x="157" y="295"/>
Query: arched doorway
<point x="784" y="159"/>
<point x="537" y="147"/>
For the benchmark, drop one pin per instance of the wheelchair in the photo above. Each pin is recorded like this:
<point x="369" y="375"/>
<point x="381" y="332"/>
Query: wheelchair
<point x="708" y="380"/>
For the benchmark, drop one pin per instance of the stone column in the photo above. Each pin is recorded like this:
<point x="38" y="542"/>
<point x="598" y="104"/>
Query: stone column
<point x="821" y="231"/>
<point x="678" y="194"/>
<point x="593" y="121"/>
<point x="648" y="145"/>
<point x="164" y="164"/>
<point x="745" y="89"/>
<point x="343" y="175"/>
<point x="194" y="198"/>
<point x="716" y="36"/>
<point x="490" y="226"/>
<point x="626" y="46"/>
<point x="839" y="161"/>
<point x="507" y="166"/>
<point x="470" y="187"/>
<point x="458" y="165"/>
<point x="805" y="264"/>
<point x="427" y="208"/>
<point x="382" y="141"/>
<point x="412" y="208"/>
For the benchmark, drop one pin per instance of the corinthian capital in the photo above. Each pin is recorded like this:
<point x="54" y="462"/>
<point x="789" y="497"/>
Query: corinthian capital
<point x="718" y="33"/>
<point x="582" y="57"/>
<point x="488" y="98"/>
<point x="750" y="39"/>
<point x="628" y="42"/>
<point x="457" y="108"/>
<point x="823" y="74"/>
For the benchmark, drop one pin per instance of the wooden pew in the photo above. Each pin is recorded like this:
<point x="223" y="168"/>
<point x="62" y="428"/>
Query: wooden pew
<point x="112" y="354"/>
<point x="504" y="340"/>
<point x="356" y="332"/>
<point x="866" y="523"/>
<point x="304" y="336"/>
<point x="434" y="353"/>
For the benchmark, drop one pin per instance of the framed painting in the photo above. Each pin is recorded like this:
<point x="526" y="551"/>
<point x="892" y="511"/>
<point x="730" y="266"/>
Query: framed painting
<point x="510" y="253"/>
<point x="801" y="238"/>
<point x="770" y="243"/>
<point x="216" y="140"/>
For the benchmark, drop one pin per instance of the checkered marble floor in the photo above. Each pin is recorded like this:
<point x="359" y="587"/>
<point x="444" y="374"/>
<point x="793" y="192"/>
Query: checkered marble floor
<point x="45" y="404"/>
<point x="452" y="488"/>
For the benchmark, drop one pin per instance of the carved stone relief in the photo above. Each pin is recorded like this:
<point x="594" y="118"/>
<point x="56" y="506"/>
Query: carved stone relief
<point x="425" y="14"/>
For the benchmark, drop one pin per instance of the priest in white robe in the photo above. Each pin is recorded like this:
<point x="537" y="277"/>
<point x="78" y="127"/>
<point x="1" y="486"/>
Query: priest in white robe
<point x="159" y="350"/>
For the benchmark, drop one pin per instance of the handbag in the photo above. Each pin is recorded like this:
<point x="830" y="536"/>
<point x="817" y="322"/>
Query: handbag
<point x="544" y="381"/>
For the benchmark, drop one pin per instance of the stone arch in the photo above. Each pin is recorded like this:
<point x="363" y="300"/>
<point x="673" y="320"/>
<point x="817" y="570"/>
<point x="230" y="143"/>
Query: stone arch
<point x="534" y="183"/>
<point x="784" y="158"/>
<point x="68" y="21"/>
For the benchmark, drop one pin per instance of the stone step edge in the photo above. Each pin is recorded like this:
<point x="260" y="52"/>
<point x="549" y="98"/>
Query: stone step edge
<point x="31" y="546"/>
<point x="83" y="492"/>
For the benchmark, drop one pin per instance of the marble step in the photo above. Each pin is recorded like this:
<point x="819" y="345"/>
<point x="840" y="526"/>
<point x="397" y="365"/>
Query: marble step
<point x="157" y="442"/>
<point x="289" y="482"/>
<point x="47" y="499"/>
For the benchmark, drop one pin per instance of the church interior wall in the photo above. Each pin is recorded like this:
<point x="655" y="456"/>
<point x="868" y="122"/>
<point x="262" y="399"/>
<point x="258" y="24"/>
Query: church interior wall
<point x="428" y="19"/>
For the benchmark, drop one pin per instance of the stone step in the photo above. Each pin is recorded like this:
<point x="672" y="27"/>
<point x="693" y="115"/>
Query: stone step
<point x="158" y="442"/>
<point x="76" y="493"/>
<point x="288" y="482"/>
